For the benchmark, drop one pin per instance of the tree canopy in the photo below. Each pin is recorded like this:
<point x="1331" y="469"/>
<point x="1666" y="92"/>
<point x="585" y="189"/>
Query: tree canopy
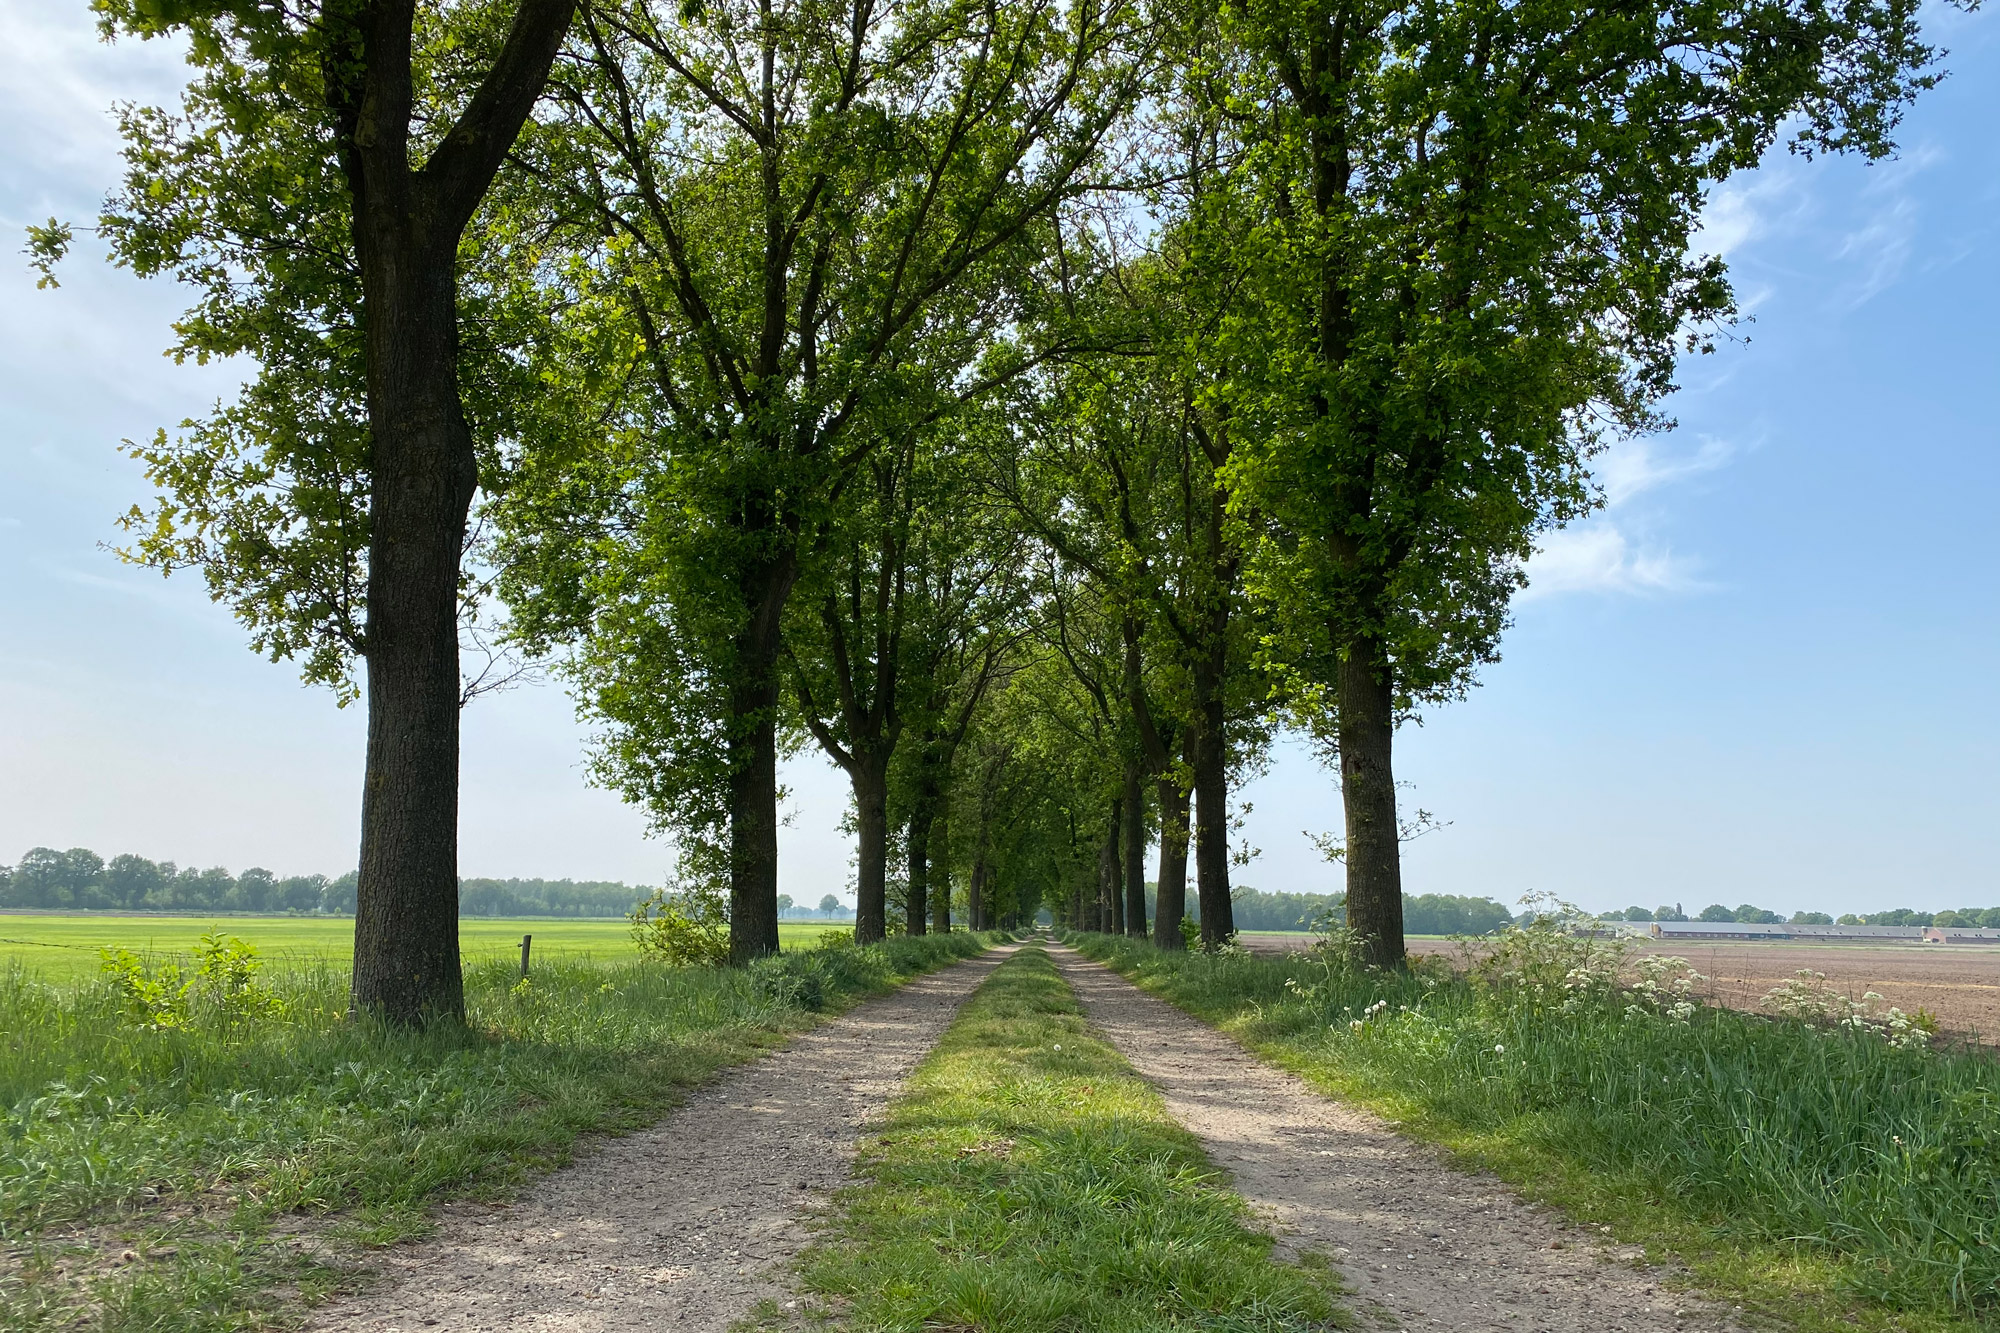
<point x="1035" y="408"/>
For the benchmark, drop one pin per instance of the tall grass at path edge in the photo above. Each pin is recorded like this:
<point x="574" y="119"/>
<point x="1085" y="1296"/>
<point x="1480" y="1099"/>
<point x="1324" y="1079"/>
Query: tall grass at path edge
<point x="218" y="1174"/>
<point x="1028" y="1181"/>
<point x="1821" y="1177"/>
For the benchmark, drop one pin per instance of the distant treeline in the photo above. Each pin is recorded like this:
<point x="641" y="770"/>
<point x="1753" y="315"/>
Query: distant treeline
<point x="81" y="880"/>
<point x="1423" y="914"/>
<point x="1758" y="916"/>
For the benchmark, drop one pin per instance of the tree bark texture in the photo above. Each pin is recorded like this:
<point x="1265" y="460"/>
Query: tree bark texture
<point x="1209" y="676"/>
<point x="753" y="842"/>
<point x="406" y="960"/>
<point x="1368" y="794"/>
<point x="1110" y="885"/>
<point x="1170" y="900"/>
<point x="1170" y="903"/>
<point x="1134" y="830"/>
<point x="753" y="755"/>
<point x="917" y="856"/>
<point x="1114" y="896"/>
<point x="1211" y="795"/>
<point x="871" y="817"/>
<point x="941" y="876"/>
<point x="408" y="222"/>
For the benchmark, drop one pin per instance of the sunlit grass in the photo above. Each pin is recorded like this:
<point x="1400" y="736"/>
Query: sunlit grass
<point x="1827" y="1179"/>
<point x="217" y="1142"/>
<point x="1027" y="1179"/>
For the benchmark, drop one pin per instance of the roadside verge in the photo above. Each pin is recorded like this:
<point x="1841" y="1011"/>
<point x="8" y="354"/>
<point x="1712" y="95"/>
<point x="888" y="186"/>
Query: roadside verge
<point x="1819" y="1175"/>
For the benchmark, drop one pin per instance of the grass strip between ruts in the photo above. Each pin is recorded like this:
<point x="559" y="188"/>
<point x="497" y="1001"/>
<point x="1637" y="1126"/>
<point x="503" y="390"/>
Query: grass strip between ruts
<point x="1027" y="1179"/>
<point x="1714" y="1173"/>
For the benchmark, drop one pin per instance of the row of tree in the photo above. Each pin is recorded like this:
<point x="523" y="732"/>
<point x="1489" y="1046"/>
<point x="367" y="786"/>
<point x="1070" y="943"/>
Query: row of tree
<point x="1423" y="913"/>
<point x="1032" y="406"/>
<point x="1986" y="917"/>
<point x="1752" y="915"/>
<point x="81" y="880"/>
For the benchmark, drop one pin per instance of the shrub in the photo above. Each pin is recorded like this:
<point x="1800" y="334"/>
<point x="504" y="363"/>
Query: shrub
<point x="153" y="1000"/>
<point x="223" y="987"/>
<point x="1806" y="998"/>
<point x="686" y="928"/>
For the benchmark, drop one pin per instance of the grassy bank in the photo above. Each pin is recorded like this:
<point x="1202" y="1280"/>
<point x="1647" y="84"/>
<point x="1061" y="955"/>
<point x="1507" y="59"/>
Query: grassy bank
<point x="1821" y="1176"/>
<point x="64" y="947"/>
<point x="1027" y="1179"/>
<point x="200" y="1176"/>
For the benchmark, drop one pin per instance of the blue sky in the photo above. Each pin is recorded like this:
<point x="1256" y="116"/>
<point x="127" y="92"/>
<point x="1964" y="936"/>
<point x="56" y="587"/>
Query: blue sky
<point x="1763" y="673"/>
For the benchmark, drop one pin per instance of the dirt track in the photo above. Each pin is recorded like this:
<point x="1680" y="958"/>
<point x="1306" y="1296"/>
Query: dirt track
<point x="682" y="1227"/>
<point x="1420" y="1244"/>
<point x="686" y="1226"/>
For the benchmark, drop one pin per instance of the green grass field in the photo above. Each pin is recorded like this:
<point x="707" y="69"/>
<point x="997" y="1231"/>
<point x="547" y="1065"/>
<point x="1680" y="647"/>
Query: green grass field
<point x="63" y="948"/>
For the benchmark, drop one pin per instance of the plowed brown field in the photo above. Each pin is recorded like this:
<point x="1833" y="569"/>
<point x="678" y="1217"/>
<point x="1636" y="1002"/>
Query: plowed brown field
<point x="1960" y="984"/>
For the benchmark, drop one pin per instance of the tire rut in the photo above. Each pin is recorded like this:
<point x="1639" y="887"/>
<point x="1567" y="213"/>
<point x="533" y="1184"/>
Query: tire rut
<point x="686" y="1225"/>
<point x="1421" y="1244"/>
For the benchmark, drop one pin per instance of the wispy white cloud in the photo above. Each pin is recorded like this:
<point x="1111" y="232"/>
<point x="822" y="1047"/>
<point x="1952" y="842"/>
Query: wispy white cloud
<point x="1772" y="201"/>
<point x="1633" y="467"/>
<point x="1880" y="245"/>
<point x="62" y="80"/>
<point x="1603" y="554"/>
<point x="1781" y="219"/>
<point x="1596" y="557"/>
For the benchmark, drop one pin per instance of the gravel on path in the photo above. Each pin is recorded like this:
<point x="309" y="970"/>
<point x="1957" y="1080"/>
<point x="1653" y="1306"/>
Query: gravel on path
<point x="1421" y="1244"/>
<point x="687" y="1225"/>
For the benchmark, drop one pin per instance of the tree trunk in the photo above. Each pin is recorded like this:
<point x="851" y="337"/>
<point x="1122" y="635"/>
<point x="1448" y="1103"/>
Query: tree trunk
<point x="422" y="475"/>
<point x="941" y="876"/>
<point x="753" y="842"/>
<point x="917" y="844"/>
<point x="406" y="963"/>
<point x="753" y="765"/>
<point x="1114" y="897"/>
<point x="1170" y="901"/>
<point x="1211" y="843"/>
<point x="980" y="885"/>
<point x="1368" y="795"/>
<point x="1110" y="884"/>
<point x="871" y="817"/>
<point x="1134" y="807"/>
